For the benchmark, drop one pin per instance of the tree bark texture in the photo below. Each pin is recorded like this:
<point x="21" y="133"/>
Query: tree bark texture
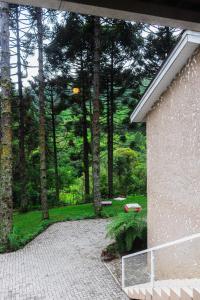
<point x="42" y="125"/>
<point x="55" y="155"/>
<point x="22" y="158"/>
<point x="96" y="119"/>
<point x="6" y="128"/>
<point x="85" y="138"/>
<point x="110" y="130"/>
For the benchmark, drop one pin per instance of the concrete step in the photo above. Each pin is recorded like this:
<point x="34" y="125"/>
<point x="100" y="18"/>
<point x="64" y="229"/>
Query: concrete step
<point x="175" y="293"/>
<point x="186" y="293"/>
<point x="196" y="294"/>
<point x="165" y="294"/>
<point x="180" y="289"/>
<point x="157" y="294"/>
<point x="149" y="294"/>
<point x="142" y="293"/>
<point x="133" y="293"/>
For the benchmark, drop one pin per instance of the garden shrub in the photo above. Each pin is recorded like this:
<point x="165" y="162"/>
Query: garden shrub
<point x="124" y="162"/>
<point x="127" y="230"/>
<point x="16" y="240"/>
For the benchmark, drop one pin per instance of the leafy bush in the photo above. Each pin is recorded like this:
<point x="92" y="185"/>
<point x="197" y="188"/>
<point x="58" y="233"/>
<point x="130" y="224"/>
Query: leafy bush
<point x="16" y="240"/>
<point x="104" y="180"/>
<point x="73" y="194"/>
<point x="124" y="162"/>
<point x="126" y="229"/>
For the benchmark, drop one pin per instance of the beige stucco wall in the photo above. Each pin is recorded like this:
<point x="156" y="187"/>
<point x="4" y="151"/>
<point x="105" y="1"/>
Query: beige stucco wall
<point x="173" y="161"/>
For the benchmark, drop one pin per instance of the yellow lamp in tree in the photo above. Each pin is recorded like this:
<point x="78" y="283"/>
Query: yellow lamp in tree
<point x="76" y="90"/>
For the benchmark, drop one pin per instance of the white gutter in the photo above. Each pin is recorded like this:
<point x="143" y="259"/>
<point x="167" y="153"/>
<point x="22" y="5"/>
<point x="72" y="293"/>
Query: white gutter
<point x="173" y="65"/>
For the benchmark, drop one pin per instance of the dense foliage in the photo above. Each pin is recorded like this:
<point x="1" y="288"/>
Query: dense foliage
<point x="72" y="140"/>
<point x="69" y="54"/>
<point x="127" y="229"/>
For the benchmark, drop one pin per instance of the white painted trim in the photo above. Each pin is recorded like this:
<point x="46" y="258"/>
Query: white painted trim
<point x="173" y="65"/>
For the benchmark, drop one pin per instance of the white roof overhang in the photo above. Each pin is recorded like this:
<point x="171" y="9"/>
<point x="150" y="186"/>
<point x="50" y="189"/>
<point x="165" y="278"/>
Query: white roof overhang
<point x="188" y="43"/>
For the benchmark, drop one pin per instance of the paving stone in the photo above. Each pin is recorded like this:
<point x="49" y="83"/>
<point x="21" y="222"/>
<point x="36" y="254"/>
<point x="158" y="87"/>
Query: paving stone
<point x="61" y="263"/>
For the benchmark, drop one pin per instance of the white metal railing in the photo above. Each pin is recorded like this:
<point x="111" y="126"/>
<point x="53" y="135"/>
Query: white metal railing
<point x="152" y="255"/>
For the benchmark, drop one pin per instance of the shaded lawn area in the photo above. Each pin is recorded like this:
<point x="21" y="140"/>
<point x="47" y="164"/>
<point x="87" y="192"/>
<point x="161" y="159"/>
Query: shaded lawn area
<point x="29" y="225"/>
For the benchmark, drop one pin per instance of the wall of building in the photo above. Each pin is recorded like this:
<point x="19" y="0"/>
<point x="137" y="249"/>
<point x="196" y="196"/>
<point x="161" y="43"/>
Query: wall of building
<point x="173" y="159"/>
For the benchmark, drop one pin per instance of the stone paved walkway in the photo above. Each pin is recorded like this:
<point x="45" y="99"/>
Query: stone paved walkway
<point x="61" y="263"/>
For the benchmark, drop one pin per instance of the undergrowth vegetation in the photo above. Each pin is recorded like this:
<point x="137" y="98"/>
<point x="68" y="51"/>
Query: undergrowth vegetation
<point x="129" y="230"/>
<point x="28" y="225"/>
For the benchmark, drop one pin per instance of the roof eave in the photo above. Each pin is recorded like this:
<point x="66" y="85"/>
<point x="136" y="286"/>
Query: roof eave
<point x="173" y="65"/>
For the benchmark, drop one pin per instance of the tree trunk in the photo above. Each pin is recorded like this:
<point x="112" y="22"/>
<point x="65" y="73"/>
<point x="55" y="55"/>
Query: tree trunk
<point x="86" y="153"/>
<point x="96" y="119"/>
<point x="22" y="158"/>
<point x="110" y="131"/>
<point x="6" y="128"/>
<point x="0" y="122"/>
<point x="85" y="138"/>
<point x="55" y="148"/>
<point x="42" y="125"/>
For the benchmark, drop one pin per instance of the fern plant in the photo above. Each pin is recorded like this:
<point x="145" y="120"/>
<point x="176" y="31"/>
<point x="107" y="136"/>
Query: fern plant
<point x="126" y="228"/>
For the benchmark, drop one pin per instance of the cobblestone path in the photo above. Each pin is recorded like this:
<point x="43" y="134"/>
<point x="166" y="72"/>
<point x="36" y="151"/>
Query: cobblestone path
<point x="61" y="263"/>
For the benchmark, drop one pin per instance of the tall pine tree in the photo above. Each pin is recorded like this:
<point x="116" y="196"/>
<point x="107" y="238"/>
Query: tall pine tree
<point x="96" y="119"/>
<point x="42" y="122"/>
<point x="6" y="179"/>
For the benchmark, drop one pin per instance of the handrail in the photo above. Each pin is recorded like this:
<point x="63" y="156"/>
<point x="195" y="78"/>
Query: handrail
<point x="179" y="241"/>
<point x="151" y="250"/>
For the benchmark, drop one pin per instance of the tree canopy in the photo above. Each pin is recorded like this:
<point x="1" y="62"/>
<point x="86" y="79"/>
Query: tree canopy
<point x="72" y="140"/>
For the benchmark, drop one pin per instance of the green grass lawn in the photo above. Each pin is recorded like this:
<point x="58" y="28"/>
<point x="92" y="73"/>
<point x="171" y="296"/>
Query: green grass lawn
<point x="29" y="225"/>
